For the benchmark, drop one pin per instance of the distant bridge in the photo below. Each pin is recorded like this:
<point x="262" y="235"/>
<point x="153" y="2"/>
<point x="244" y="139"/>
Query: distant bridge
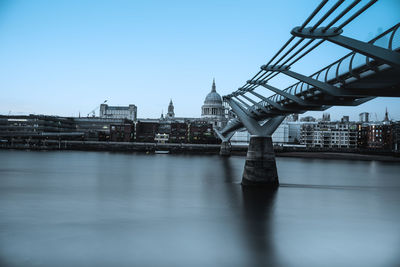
<point x="342" y="83"/>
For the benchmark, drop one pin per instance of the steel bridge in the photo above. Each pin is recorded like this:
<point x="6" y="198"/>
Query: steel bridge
<point x="342" y="83"/>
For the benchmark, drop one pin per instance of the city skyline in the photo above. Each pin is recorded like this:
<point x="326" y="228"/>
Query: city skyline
<point x="62" y="58"/>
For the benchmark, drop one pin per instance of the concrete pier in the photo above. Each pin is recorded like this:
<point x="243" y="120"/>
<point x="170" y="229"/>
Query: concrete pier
<point x="260" y="166"/>
<point x="226" y="149"/>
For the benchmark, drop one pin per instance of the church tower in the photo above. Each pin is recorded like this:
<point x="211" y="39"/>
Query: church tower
<point x="170" y="113"/>
<point x="386" y="120"/>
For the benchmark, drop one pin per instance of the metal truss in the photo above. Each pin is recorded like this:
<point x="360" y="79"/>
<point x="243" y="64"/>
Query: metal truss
<point x="330" y="86"/>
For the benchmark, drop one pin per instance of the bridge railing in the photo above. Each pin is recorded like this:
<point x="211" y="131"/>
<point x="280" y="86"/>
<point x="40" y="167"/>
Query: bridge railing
<point x="347" y="67"/>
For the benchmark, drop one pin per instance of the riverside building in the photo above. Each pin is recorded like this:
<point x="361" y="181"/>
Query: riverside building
<point x="326" y="134"/>
<point x="118" y="112"/>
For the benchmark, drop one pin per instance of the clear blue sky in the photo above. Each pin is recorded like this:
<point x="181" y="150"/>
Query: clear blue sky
<point x="64" y="57"/>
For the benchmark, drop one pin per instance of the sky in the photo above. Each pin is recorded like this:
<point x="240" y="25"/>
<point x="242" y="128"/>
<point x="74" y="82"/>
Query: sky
<point x="66" y="57"/>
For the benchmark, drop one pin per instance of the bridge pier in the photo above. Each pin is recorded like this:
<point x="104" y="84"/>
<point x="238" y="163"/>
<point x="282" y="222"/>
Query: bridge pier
<point x="226" y="149"/>
<point x="260" y="167"/>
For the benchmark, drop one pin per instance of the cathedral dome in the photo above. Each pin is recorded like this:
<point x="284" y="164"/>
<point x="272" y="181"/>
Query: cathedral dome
<point x="213" y="97"/>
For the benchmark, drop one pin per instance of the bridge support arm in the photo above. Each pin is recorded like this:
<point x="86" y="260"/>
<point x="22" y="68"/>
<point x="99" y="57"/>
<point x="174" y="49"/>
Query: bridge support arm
<point x="257" y="104"/>
<point x="384" y="55"/>
<point x="272" y="124"/>
<point x="327" y="88"/>
<point x="226" y="147"/>
<point x="335" y="36"/>
<point x="273" y="103"/>
<point x="252" y="125"/>
<point x="225" y="138"/>
<point x="232" y="126"/>
<point x="294" y="98"/>
<point x="249" y="109"/>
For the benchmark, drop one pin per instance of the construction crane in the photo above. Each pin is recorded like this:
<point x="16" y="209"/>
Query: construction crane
<point x="93" y="112"/>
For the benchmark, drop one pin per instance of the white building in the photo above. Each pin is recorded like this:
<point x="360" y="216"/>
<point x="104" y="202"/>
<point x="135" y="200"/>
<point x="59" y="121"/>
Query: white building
<point x="329" y="134"/>
<point x="118" y="112"/>
<point x="294" y="132"/>
<point x="281" y="134"/>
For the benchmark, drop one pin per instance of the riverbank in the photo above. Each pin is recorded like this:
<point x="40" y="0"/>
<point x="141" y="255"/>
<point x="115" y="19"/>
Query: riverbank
<point x="173" y="148"/>
<point x="116" y="146"/>
<point x="337" y="155"/>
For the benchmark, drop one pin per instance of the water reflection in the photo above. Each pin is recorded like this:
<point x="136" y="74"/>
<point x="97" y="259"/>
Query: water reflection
<point x="228" y="173"/>
<point x="257" y="207"/>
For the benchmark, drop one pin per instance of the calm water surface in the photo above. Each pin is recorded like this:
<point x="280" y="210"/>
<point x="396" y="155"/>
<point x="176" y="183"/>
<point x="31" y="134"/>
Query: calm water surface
<point x="114" y="209"/>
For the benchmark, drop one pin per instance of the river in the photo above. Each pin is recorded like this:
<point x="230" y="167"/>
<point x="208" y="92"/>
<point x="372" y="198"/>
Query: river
<point x="67" y="208"/>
